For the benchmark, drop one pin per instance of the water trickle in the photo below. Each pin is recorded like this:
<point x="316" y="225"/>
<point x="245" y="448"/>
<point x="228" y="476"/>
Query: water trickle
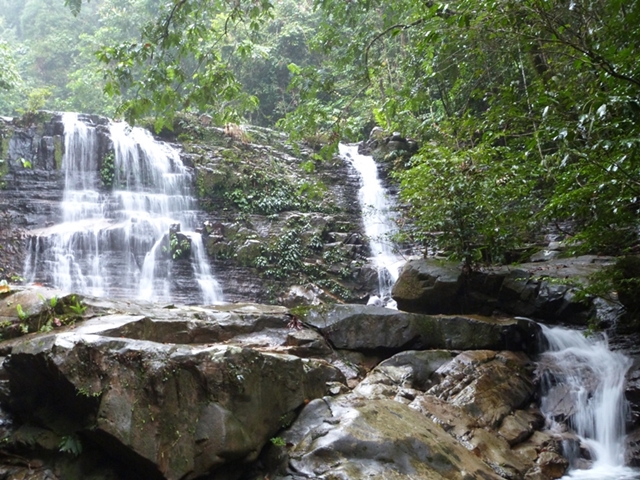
<point x="583" y="385"/>
<point x="116" y="243"/>
<point x="378" y="218"/>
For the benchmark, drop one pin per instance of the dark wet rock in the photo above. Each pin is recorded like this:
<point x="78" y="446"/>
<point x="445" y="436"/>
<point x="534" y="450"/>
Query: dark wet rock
<point x="359" y="327"/>
<point x="428" y="286"/>
<point x="481" y="401"/>
<point x="632" y="450"/>
<point x="37" y="309"/>
<point x="33" y="186"/>
<point x="632" y="393"/>
<point x="366" y="433"/>
<point x="170" y="391"/>
<point x="404" y="375"/>
<point x="551" y="465"/>
<point x="520" y="425"/>
<point x="390" y="151"/>
<point x="541" y="290"/>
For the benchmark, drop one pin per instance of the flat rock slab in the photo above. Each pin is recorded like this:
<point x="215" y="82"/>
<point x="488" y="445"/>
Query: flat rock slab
<point x="359" y="327"/>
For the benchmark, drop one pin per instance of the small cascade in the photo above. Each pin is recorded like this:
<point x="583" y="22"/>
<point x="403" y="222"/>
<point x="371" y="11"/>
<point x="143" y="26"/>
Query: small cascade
<point x="131" y="238"/>
<point x="583" y="385"/>
<point x="378" y="221"/>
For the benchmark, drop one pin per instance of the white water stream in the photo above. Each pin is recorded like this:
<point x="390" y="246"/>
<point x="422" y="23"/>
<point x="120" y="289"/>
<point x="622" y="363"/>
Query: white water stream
<point x="583" y="381"/>
<point x="111" y="243"/>
<point x="378" y="218"/>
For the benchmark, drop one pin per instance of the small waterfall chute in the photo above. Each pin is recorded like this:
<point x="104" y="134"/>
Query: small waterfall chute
<point x="583" y="388"/>
<point x="379" y="223"/>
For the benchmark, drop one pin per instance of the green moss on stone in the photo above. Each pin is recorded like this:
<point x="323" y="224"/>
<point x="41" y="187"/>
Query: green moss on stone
<point x="57" y="151"/>
<point x="4" y="160"/>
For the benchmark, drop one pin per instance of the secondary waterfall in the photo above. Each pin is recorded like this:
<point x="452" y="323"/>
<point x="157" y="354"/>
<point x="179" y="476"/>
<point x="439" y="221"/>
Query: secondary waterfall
<point x="583" y="383"/>
<point x="128" y="221"/>
<point x="378" y="220"/>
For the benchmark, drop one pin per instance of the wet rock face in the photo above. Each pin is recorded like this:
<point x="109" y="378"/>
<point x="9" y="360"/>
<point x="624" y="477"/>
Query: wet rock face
<point x="33" y="179"/>
<point x="349" y="438"/>
<point x="428" y="287"/>
<point x="390" y="151"/>
<point x="267" y="224"/>
<point x="431" y="415"/>
<point x="272" y="226"/>
<point x="30" y="186"/>
<point x="182" y="411"/>
<point x="536" y="290"/>
<point x="367" y="328"/>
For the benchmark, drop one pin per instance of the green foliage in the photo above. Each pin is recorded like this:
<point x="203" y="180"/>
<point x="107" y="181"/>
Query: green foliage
<point x="71" y="444"/>
<point x="22" y="315"/>
<point x="284" y="257"/>
<point x="36" y="100"/>
<point x="179" y="246"/>
<point x="475" y="203"/>
<point x="9" y="76"/>
<point x="278" y="442"/>
<point x="176" y="64"/>
<point x="525" y="110"/>
<point x="335" y="288"/>
<point x="76" y="306"/>
<point x="108" y="170"/>
<point x="259" y="184"/>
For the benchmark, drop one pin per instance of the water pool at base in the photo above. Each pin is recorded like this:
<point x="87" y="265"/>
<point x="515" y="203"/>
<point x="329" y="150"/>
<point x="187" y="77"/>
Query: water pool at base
<point x="604" y="473"/>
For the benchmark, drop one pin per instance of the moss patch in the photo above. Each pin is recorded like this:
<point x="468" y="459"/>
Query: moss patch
<point x="58" y="151"/>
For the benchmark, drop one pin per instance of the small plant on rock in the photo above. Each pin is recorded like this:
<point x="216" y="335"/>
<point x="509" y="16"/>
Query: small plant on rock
<point x="177" y="248"/>
<point x="77" y="307"/>
<point x="108" y="170"/>
<point x="278" y="442"/>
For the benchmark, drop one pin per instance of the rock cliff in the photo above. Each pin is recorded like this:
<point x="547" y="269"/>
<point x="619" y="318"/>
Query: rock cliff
<point x="278" y="225"/>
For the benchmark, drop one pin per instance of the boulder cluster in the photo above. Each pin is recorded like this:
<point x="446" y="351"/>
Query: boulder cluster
<point x="124" y="390"/>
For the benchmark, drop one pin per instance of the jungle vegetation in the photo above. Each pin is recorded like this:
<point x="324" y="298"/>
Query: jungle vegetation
<point x="527" y="112"/>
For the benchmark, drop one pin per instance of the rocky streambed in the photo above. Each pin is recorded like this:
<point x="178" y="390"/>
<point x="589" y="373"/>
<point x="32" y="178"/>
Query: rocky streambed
<point x="120" y="390"/>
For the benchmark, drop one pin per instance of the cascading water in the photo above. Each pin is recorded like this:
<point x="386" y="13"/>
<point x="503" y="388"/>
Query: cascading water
<point x="117" y="243"/>
<point x="378" y="220"/>
<point x="583" y="383"/>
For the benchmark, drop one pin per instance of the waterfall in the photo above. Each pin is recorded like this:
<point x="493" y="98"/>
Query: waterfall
<point x="583" y="384"/>
<point x="114" y="239"/>
<point x="378" y="221"/>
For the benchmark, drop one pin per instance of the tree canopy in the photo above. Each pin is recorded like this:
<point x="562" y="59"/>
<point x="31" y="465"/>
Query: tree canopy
<point x="527" y="111"/>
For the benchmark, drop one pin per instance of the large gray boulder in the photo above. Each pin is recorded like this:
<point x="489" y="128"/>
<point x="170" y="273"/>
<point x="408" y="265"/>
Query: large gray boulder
<point x="348" y="438"/>
<point x="171" y="392"/>
<point x="175" y="411"/>
<point x="428" y="286"/>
